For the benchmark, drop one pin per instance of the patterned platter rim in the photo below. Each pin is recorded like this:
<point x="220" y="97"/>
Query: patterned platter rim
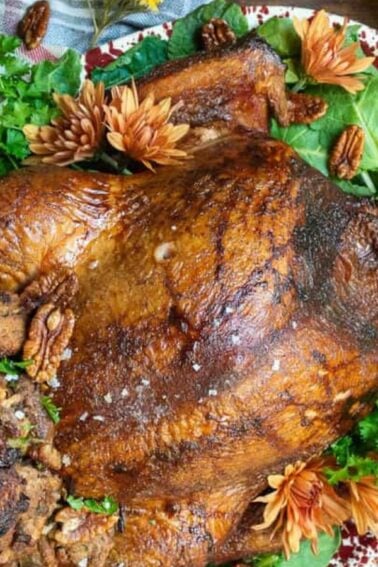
<point x="355" y="551"/>
<point x="256" y="15"/>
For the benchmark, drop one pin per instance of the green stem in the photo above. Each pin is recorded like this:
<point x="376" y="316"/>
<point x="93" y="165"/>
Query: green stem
<point x="300" y="85"/>
<point x="108" y="160"/>
<point x="13" y="162"/>
<point x="368" y="180"/>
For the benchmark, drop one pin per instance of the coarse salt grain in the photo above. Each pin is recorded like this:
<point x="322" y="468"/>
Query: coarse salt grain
<point x="196" y="367"/>
<point x="235" y="339"/>
<point x="66" y="460"/>
<point x="213" y="392"/>
<point x="108" y="398"/>
<point x="145" y="382"/>
<point x="276" y="365"/>
<point x="67" y="353"/>
<point x="11" y="377"/>
<point x="83" y="562"/>
<point x="229" y="310"/>
<point x="54" y="382"/>
<point x="84" y="416"/>
<point x="124" y="393"/>
<point x="98" y="418"/>
<point x="19" y="415"/>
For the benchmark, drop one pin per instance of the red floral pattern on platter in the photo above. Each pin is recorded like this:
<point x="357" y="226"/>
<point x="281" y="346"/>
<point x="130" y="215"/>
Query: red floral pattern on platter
<point x="355" y="551"/>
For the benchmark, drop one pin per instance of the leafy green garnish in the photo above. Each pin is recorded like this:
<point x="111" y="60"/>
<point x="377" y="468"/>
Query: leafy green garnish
<point x="51" y="409"/>
<point x="281" y="36"/>
<point x="136" y="62"/>
<point x="351" y="452"/>
<point x="106" y="506"/>
<point x="328" y="545"/>
<point x="13" y="367"/>
<point x="26" y="96"/>
<point x="313" y="142"/>
<point x="185" y="38"/>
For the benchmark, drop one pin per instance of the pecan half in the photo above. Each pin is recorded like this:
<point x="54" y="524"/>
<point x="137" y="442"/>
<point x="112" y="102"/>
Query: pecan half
<point x="347" y="153"/>
<point x="81" y="526"/>
<point x="215" y="33"/>
<point x="49" y="334"/>
<point x="33" y="26"/>
<point x="305" y="108"/>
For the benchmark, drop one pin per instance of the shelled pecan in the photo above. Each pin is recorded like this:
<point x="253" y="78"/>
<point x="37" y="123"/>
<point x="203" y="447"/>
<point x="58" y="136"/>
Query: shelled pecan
<point x="347" y="153"/>
<point x="33" y="26"/>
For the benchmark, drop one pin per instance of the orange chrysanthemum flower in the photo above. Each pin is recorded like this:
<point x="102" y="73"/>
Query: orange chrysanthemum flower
<point x="142" y="130"/>
<point x="302" y="504"/>
<point x="363" y="497"/>
<point x="74" y="136"/>
<point x="323" y="56"/>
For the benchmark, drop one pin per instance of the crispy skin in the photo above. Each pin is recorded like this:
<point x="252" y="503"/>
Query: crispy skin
<point x="236" y="85"/>
<point x="194" y="374"/>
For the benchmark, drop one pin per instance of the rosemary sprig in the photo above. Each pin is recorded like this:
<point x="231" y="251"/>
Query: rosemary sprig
<point x="108" y="12"/>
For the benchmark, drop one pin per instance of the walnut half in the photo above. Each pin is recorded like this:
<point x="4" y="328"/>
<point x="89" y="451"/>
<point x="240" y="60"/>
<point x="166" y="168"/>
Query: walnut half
<point x="347" y="153"/>
<point x="215" y="33"/>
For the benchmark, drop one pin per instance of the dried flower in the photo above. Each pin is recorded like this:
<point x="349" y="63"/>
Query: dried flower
<point x="75" y="135"/>
<point x="302" y="504"/>
<point x="363" y="497"/>
<point x="108" y="12"/>
<point x="323" y="56"/>
<point x="142" y="130"/>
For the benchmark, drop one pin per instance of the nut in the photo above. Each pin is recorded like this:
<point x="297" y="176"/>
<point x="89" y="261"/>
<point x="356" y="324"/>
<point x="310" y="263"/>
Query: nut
<point x="215" y="33"/>
<point x="305" y="108"/>
<point x="347" y="153"/>
<point x="33" y="26"/>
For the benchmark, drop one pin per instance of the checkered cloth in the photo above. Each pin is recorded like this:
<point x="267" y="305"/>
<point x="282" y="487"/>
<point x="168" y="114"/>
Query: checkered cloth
<point x="71" y="24"/>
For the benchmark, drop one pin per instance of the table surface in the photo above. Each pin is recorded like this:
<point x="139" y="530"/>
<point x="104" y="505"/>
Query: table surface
<point x="365" y="11"/>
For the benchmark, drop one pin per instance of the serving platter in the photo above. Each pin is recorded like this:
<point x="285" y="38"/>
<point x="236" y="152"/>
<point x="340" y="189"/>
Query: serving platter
<point x="256" y="15"/>
<point x="355" y="551"/>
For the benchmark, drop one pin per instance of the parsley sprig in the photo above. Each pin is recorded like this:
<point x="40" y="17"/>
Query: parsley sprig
<point x="353" y="452"/>
<point x="26" y="96"/>
<point x="51" y="409"/>
<point x="106" y="506"/>
<point x="13" y="367"/>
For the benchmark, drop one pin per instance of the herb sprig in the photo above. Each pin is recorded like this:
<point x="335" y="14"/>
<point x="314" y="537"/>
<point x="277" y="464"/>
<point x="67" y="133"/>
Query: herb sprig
<point x="13" y="367"/>
<point x="106" y="506"/>
<point x="51" y="409"/>
<point x="26" y="96"/>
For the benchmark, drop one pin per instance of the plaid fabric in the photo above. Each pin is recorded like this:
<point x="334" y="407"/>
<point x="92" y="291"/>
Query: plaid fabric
<point x="71" y="25"/>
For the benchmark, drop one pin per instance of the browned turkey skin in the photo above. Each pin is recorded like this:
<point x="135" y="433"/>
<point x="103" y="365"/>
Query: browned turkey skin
<point x="225" y="324"/>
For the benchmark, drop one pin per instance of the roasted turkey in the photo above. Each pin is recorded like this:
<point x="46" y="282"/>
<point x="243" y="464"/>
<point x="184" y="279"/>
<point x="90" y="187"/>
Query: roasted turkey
<point x="217" y="320"/>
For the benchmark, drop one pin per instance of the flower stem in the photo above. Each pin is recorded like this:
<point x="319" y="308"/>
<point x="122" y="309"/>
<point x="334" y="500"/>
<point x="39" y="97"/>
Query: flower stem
<point x="368" y="180"/>
<point x="108" y="160"/>
<point x="300" y="85"/>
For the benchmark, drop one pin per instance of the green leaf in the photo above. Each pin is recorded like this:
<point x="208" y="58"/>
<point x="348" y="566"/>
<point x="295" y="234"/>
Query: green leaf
<point x="328" y="546"/>
<point x="360" y="109"/>
<point x="368" y="431"/>
<point x="8" y="44"/>
<point x="13" y="367"/>
<point x="355" y="189"/>
<point x="281" y="36"/>
<point x="293" y="71"/>
<point x="313" y="142"/>
<point x="75" y="503"/>
<point x="62" y="76"/>
<point x="136" y="62"/>
<point x="106" y="506"/>
<point x="304" y="141"/>
<point x="185" y="38"/>
<point x="51" y="409"/>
